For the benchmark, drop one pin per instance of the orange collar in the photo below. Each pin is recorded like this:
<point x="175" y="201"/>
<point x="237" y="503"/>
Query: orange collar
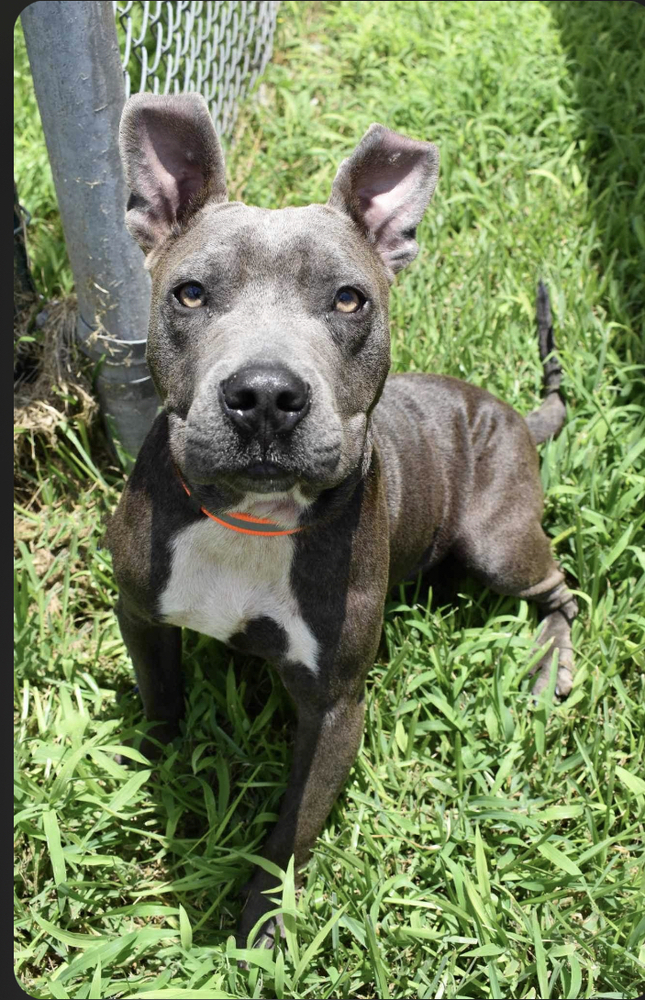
<point x="242" y="522"/>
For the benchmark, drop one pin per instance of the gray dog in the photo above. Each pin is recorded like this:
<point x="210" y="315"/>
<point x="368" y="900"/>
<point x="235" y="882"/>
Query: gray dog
<point x="289" y="482"/>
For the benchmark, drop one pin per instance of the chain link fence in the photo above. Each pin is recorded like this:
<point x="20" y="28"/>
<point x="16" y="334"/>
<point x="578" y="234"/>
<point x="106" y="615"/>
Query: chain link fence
<point x="217" y="48"/>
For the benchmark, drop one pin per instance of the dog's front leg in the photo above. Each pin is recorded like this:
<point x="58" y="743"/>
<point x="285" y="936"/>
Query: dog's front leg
<point x="326" y="745"/>
<point x="155" y="651"/>
<point x="340" y="574"/>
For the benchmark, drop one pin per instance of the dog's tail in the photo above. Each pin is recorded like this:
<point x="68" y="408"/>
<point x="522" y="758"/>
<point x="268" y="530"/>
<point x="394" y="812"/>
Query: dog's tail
<point x="549" y="418"/>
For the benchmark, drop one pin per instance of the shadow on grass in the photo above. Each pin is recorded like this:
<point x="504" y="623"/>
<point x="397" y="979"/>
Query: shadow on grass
<point x="605" y="43"/>
<point x="215" y="791"/>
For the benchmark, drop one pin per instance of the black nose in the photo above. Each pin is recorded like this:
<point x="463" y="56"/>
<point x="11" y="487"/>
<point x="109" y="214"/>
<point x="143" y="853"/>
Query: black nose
<point x="264" y="400"/>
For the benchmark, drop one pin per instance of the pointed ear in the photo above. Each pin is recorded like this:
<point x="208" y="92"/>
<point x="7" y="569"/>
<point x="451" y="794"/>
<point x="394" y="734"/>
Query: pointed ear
<point x="385" y="186"/>
<point x="173" y="163"/>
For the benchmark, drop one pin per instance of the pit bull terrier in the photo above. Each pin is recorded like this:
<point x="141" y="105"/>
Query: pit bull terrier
<point x="290" y="481"/>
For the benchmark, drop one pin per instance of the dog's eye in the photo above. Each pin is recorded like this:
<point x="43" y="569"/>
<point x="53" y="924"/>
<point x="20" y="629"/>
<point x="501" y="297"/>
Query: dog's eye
<point x="348" y="300"/>
<point x="191" y="294"/>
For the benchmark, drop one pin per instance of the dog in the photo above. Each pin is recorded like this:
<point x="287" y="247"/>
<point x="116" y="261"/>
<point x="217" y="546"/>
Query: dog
<point x="290" y="481"/>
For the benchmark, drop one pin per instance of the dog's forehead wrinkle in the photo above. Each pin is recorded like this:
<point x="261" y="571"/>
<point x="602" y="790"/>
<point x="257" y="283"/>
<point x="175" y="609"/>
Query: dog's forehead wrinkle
<point x="310" y="242"/>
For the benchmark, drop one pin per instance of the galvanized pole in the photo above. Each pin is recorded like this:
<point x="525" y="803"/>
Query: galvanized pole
<point x="78" y="79"/>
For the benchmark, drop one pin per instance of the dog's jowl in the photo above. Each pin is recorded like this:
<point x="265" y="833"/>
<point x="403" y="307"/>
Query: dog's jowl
<point x="289" y="482"/>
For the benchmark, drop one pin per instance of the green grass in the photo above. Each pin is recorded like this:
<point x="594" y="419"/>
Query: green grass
<point x="481" y="848"/>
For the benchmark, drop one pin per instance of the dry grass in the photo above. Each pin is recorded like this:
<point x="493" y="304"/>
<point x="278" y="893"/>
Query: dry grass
<point x="52" y="381"/>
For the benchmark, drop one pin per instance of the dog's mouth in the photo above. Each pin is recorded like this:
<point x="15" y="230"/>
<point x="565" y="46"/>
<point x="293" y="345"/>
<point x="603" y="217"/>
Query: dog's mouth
<point x="261" y="477"/>
<point x="213" y="458"/>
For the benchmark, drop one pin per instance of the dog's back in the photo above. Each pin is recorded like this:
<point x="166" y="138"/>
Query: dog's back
<point x="444" y="443"/>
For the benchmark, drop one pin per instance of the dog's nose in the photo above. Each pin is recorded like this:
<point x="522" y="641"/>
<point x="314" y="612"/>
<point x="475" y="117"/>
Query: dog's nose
<point x="264" y="400"/>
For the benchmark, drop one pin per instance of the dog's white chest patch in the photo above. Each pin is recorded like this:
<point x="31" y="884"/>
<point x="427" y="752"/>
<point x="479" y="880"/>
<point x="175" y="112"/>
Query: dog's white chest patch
<point x="221" y="579"/>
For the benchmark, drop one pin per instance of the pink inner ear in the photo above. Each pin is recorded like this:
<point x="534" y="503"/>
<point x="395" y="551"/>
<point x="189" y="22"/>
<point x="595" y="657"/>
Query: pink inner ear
<point x="174" y="179"/>
<point x="384" y="196"/>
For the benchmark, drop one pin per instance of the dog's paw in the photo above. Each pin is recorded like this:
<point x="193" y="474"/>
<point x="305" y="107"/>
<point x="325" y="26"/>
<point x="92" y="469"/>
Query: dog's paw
<point x="564" y="677"/>
<point x="257" y="905"/>
<point x="270" y="933"/>
<point x="163" y="734"/>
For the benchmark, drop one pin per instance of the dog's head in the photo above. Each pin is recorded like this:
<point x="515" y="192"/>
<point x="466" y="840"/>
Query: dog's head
<point x="269" y="338"/>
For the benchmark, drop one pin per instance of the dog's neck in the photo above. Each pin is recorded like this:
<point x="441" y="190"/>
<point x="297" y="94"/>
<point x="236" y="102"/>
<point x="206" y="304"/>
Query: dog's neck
<point x="288" y="511"/>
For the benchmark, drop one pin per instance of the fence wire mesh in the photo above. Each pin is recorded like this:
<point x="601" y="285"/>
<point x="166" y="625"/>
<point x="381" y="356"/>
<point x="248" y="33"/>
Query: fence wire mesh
<point x="217" y="48"/>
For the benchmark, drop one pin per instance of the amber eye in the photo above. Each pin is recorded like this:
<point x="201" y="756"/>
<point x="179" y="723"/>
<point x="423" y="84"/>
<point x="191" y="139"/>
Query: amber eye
<point x="348" y="300"/>
<point x="191" y="294"/>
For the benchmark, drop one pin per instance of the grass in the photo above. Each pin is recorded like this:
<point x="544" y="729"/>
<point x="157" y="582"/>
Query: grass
<point x="481" y="848"/>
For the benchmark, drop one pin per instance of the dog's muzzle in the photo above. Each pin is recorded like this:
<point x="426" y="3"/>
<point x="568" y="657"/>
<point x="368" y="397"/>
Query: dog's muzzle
<point x="263" y="401"/>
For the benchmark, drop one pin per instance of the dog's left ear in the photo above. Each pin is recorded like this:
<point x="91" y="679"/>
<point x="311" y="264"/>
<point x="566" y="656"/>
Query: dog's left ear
<point x="385" y="186"/>
<point x="173" y="163"/>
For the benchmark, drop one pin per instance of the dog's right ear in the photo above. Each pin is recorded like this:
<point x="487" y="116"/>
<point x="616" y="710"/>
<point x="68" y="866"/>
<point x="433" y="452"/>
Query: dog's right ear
<point x="385" y="187"/>
<point x="173" y="163"/>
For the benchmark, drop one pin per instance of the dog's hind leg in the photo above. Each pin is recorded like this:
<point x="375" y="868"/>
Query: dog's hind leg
<point x="514" y="558"/>
<point x="559" y="607"/>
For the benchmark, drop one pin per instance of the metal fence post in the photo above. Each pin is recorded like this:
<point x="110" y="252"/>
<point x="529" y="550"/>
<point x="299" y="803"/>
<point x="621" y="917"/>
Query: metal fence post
<point x="78" y="80"/>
